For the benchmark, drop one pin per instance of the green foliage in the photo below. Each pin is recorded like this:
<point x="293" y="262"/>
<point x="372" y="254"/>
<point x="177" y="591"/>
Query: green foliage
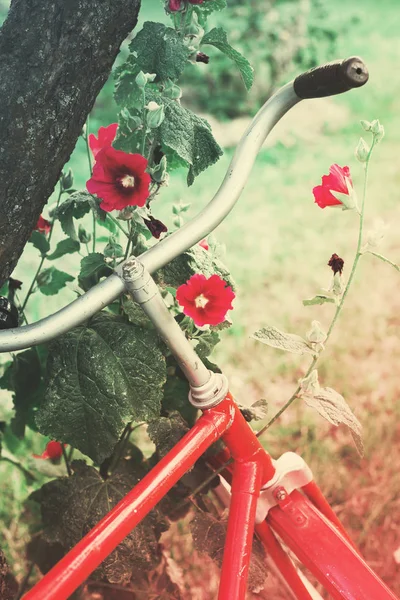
<point x="101" y="376"/>
<point x="93" y="268"/>
<point x="207" y="8"/>
<point x="71" y="506"/>
<point x="67" y="246"/>
<point x="74" y="207"/>
<point x="23" y="376"/>
<point x="39" y="241"/>
<point x="217" y="37"/>
<point x="50" y="281"/>
<point x="279" y="39"/>
<point x="159" y="49"/>
<point x="176" y="393"/>
<point x="189" y="138"/>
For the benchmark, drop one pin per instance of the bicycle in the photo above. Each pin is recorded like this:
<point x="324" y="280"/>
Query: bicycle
<point x="276" y="499"/>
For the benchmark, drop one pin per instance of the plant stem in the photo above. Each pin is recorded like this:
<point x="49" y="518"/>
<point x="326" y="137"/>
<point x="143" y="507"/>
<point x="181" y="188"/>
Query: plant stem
<point x="144" y="123"/>
<point x="25" y="581"/>
<point x="65" y="457"/>
<point x="43" y="256"/>
<point x="386" y="260"/>
<point x="89" y="157"/>
<point x="296" y="394"/>
<point x="118" y="224"/>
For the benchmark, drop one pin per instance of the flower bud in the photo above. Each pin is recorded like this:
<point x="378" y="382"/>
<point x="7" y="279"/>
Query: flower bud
<point x="310" y="385"/>
<point x="83" y="130"/>
<point x="366" y="125"/>
<point x="83" y="235"/>
<point x="378" y="130"/>
<point x="338" y="286"/>
<point x="203" y="58"/>
<point x="159" y="172"/>
<point x="316" y="335"/>
<point x="67" y="180"/>
<point x="173" y="91"/>
<point x="362" y="151"/>
<point x="155" y="115"/>
<point x="141" y="80"/>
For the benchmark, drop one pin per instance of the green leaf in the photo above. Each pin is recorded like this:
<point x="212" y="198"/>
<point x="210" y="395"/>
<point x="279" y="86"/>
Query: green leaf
<point x="100" y="377"/>
<point x="271" y="336"/>
<point x="93" y="264"/>
<point x="256" y="412"/>
<point x="160" y="50"/>
<point x="50" y="281"/>
<point x="185" y="138"/>
<point x="75" y="206"/>
<point x="319" y="299"/>
<point x="67" y="246"/>
<point x="39" y="241"/>
<point x="71" y="506"/>
<point x="24" y="378"/>
<point x="334" y="408"/>
<point x="217" y="37"/>
<point x="176" y="398"/>
<point x="113" y="249"/>
<point x="135" y="313"/>
<point x="195" y="260"/>
<point x="206" y="343"/>
<point x="204" y="10"/>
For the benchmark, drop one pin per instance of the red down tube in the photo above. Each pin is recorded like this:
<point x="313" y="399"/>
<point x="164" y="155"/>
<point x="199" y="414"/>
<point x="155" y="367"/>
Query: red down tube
<point x="72" y="570"/>
<point x="325" y="552"/>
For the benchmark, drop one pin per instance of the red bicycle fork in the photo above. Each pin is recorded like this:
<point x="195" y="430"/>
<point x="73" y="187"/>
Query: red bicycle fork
<point x="252" y="469"/>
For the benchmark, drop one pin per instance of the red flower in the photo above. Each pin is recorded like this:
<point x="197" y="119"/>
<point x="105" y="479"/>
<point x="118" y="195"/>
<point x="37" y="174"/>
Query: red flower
<point x="119" y="179"/>
<point x="106" y="136"/>
<point x="43" y="226"/>
<point x="206" y="301"/>
<point x="53" y="450"/>
<point x="155" y="226"/>
<point x="338" y="180"/>
<point x="174" y="5"/>
<point x="204" y="244"/>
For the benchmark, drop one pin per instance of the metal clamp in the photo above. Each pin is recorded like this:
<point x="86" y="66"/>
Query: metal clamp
<point x="292" y="473"/>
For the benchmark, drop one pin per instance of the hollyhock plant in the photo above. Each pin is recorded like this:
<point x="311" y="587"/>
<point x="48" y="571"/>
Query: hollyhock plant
<point x="119" y="179"/>
<point x="43" y="226"/>
<point x="104" y="139"/>
<point x="53" y="451"/>
<point x="336" y="189"/>
<point x="205" y="300"/>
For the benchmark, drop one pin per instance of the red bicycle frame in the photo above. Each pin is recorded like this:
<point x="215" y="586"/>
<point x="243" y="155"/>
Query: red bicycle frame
<point x="312" y="536"/>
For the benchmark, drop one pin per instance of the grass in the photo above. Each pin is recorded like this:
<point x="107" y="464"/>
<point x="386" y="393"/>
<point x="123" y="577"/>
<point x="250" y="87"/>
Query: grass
<point x="278" y="243"/>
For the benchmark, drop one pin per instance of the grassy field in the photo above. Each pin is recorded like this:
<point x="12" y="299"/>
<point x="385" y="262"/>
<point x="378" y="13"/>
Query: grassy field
<point x="278" y="243"/>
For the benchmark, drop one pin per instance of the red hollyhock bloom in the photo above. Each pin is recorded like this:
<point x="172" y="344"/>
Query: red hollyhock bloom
<point x="106" y="136"/>
<point x="206" y="301"/>
<point x="155" y="226"/>
<point x="204" y="244"/>
<point x="336" y="182"/>
<point x="43" y="226"/>
<point x="53" y="451"/>
<point x="119" y="179"/>
<point x="174" y="5"/>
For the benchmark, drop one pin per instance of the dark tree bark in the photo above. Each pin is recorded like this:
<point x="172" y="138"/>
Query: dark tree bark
<point x="55" y="56"/>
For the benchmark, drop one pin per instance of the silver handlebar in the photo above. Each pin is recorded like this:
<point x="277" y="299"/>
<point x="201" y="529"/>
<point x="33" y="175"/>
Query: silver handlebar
<point x="84" y="307"/>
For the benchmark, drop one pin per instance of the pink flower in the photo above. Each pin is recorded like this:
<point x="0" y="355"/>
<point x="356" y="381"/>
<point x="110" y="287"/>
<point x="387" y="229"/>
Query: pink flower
<point x="43" y="226"/>
<point x="204" y="244"/>
<point x="53" y="451"/>
<point x="119" y="179"/>
<point x="206" y="301"/>
<point x="174" y="5"/>
<point x="338" y="180"/>
<point x="106" y="136"/>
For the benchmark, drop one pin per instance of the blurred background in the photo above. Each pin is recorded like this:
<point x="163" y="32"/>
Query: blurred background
<point x="278" y="243"/>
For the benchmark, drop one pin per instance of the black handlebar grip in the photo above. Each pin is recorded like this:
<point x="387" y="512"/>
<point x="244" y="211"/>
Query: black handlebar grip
<point x="333" y="78"/>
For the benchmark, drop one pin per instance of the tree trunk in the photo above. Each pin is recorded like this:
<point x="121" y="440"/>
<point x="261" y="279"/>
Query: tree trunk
<point x="55" y="56"/>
